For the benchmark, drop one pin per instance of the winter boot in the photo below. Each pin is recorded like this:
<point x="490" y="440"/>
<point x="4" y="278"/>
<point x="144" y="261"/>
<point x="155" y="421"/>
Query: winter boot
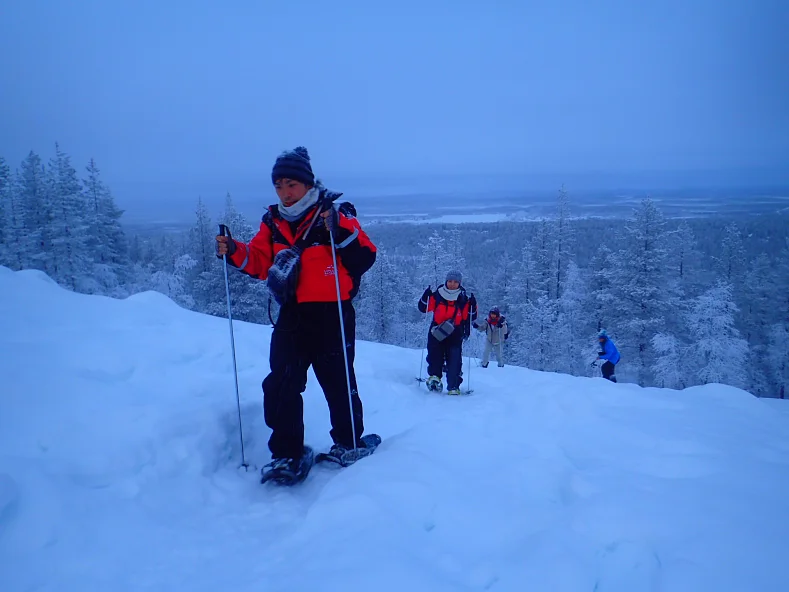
<point x="434" y="384"/>
<point x="484" y="365"/>
<point x="453" y="391"/>
<point x="289" y="471"/>
<point x="344" y="456"/>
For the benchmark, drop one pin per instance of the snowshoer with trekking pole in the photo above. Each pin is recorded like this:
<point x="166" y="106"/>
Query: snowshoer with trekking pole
<point x="312" y="252"/>
<point x="453" y="312"/>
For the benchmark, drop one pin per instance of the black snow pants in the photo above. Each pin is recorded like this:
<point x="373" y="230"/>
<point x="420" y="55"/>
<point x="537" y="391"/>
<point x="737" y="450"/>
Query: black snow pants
<point x="608" y="371"/>
<point x="450" y="351"/>
<point x="307" y="334"/>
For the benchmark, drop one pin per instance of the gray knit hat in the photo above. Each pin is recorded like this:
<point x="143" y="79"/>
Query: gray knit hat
<point x="454" y="275"/>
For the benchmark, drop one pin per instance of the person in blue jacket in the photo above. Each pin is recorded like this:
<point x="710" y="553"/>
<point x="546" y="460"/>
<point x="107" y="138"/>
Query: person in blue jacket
<point x="609" y="353"/>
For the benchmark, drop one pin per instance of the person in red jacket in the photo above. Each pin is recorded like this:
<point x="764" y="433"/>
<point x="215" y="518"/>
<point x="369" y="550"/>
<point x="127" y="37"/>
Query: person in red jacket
<point x="453" y="312"/>
<point x="307" y="331"/>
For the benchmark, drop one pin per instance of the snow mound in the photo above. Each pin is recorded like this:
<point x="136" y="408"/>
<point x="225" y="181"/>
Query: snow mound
<point x="120" y="454"/>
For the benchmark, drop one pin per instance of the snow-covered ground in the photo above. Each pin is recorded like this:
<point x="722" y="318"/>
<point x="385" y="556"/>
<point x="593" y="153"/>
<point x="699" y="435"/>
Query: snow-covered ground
<point x="119" y="470"/>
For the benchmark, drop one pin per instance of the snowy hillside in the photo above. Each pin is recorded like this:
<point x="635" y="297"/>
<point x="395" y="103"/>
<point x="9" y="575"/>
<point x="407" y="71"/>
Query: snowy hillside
<point x="119" y="470"/>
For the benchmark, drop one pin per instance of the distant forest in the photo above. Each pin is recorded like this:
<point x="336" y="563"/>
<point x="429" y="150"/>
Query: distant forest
<point x="687" y="301"/>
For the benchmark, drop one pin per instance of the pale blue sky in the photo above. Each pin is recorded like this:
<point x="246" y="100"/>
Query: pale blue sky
<point x="164" y="92"/>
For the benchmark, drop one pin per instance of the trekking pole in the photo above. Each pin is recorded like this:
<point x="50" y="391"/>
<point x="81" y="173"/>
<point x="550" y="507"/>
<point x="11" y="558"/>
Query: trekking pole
<point x="342" y="335"/>
<point x="421" y="361"/>
<point x="469" y="375"/>
<point x="223" y="231"/>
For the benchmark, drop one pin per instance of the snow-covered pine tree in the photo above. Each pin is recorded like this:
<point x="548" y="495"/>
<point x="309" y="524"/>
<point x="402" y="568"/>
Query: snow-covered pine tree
<point x="758" y="297"/>
<point x="543" y="249"/>
<point x="564" y="239"/>
<point x="36" y="215"/>
<point x="69" y="225"/>
<point x="248" y="296"/>
<point x="17" y="236"/>
<point x="571" y="326"/>
<point x="381" y="314"/>
<point x="519" y="295"/>
<point x="601" y="295"/>
<point x="175" y="283"/>
<point x="537" y="346"/>
<point x="778" y="348"/>
<point x="644" y="293"/>
<point x="685" y="259"/>
<point x="106" y="241"/>
<point x="669" y="364"/>
<point x="201" y="239"/>
<point x="135" y="249"/>
<point x="454" y="246"/>
<point x="434" y="262"/>
<point x="6" y="252"/>
<point x="778" y="359"/>
<point x="731" y="258"/>
<point x="205" y="287"/>
<point x="717" y="353"/>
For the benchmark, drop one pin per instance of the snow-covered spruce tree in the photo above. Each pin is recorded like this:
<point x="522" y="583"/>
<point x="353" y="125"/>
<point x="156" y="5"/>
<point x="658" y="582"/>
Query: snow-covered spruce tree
<point x="454" y="246"/>
<point x="205" y="288"/>
<point x="778" y="359"/>
<point x="685" y="259"/>
<point x="571" y="334"/>
<point x="249" y="297"/>
<point x="537" y="343"/>
<point x="757" y="298"/>
<point x="35" y="240"/>
<point x="731" y="257"/>
<point x="519" y="295"/>
<point x="175" y="283"/>
<point x="20" y="244"/>
<point x="644" y="294"/>
<point x="717" y="353"/>
<point x="106" y="240"/>
<point x="68" y="226"/>
<point x="601" y="295"/>
<point x="6" y="195"/>
<point x="669" y="365"/>
<point x="381" y="314"/>
<point x="778" y="344"/>
<point x="564" y="238"/>
<point x="434" y="262"/>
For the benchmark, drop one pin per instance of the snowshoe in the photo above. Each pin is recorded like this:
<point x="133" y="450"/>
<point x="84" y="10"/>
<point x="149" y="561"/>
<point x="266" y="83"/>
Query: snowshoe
<point x="288" y="471"/>
<point x="453" y="392"/>
<point x="434" y="384"/>
<point x="342" y="456"/>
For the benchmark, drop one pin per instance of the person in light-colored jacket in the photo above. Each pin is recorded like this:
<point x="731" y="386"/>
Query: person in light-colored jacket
<point x="497" y="332"/>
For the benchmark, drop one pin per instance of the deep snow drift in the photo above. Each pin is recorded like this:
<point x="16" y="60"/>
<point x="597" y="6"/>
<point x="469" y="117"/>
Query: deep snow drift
<point x="119" y="470"/>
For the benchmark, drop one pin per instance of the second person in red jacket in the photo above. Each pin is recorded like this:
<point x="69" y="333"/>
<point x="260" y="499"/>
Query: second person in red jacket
<point x="453" y="312"/>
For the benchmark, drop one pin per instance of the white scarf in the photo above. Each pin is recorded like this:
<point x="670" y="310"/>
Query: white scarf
<point x="447" y="294"/>
<point x="296" y="211"/>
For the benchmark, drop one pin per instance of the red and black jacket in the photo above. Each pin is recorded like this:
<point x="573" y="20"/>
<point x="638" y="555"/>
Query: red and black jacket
<point x="462" y="311"/>
<point x="355" y="253"/>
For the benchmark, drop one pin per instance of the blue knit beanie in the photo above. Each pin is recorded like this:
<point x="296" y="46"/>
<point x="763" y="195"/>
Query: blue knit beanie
<point x="293" y="164"/>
